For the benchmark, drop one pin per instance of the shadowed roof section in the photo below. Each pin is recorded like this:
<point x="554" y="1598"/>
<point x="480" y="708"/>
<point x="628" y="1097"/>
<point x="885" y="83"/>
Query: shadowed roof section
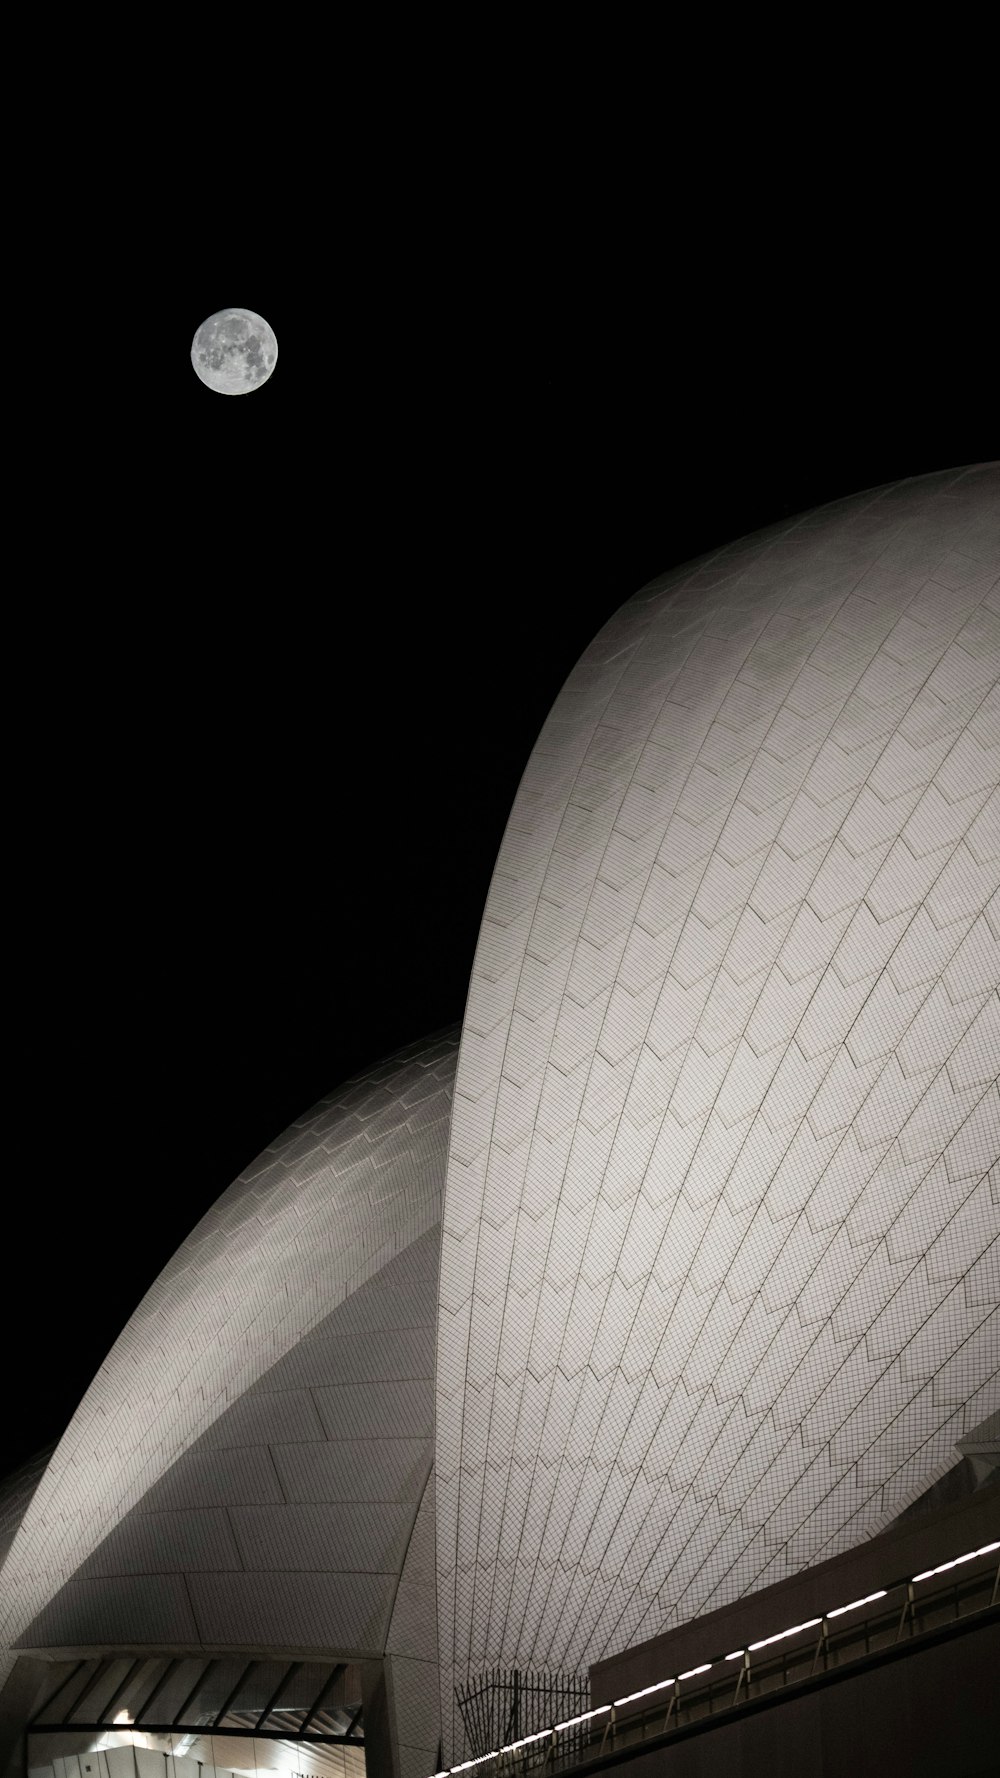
<point x="278" y="1266"/>
<point x="286" y="1525"/>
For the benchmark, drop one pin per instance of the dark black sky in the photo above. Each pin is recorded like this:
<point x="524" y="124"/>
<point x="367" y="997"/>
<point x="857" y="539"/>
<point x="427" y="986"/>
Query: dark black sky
<point x="305" y="640"/>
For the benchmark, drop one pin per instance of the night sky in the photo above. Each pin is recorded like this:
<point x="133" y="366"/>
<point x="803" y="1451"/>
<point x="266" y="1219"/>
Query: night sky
<point x="323" y="624"/>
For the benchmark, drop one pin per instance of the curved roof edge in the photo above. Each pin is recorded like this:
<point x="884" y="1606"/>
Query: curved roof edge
<point x="353" y="1181"/>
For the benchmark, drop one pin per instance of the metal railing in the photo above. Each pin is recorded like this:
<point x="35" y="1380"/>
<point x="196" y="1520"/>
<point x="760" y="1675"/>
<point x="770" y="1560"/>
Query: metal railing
<point x="804" y="1653"/>
<point x="505" y="1704"/>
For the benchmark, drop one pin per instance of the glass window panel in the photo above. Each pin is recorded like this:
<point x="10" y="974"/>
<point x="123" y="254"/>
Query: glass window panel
<point x="98" y="1695"/>
<point x="259" y="1686"/>
<point x="341" y="1702"/>
<point x="214" y="1688"/>
<point x="140" y="1684"/>
<point x="190" y="1693"/>
<point x="149" y="1706"/>
<point x="116" y="1709"/>
<point x="352" y="1685"/>
<point x="75" y="1677"/>
<point x="298" y="1696"/>
<point x="335" y="1720"/>
<point x="177" y="1686"/>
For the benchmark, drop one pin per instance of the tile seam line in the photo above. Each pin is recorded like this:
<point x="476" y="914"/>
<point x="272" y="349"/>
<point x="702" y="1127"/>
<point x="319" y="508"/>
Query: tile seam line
<point x="844" y="600"/>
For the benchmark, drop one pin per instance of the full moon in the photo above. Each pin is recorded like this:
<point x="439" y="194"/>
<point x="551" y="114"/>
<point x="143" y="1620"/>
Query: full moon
<point x="234" y="351"/>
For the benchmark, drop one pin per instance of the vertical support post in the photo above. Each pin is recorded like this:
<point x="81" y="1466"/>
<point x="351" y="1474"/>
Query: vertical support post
<point x="744" y="1674"/>
<point x="380" y="1747"/>
<point x="904" y="1614"/>
<point x="609" y="1729"/>
<point x="821" y="1647"/>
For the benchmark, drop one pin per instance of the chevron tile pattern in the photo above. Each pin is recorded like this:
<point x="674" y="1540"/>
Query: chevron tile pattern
<point x="720" y="1266"/>
<point x="719" y="1260"/>
<point x="287" y="1524"/>
<point x="250" y="1460"/>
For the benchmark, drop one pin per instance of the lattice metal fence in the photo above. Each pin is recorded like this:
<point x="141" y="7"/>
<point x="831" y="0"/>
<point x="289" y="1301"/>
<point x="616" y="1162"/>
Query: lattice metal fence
<point x="504" y="1704"/>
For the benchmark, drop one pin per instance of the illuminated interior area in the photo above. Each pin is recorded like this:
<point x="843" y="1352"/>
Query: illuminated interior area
<point x="190" y="1718"/>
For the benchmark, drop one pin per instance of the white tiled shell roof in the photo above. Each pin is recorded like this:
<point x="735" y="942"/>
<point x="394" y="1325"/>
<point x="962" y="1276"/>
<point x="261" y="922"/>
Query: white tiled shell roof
<point x="720" y="1267"/>
<point x="225" y="1423"/>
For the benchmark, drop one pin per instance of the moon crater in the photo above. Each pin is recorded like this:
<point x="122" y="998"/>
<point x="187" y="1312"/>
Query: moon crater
<point x="234" y="351"/>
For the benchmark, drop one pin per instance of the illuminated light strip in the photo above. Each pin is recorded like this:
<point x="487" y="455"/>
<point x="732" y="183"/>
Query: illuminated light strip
<point x="706" y="1667"/>
<point x="631" y="1697"/>
<point x="512" y="1746"/>
<point x="588" y="1716"/>
<point x="970" y="1556"/>
<point x="765" y="1641"/>
<point x="839" y="1610"/>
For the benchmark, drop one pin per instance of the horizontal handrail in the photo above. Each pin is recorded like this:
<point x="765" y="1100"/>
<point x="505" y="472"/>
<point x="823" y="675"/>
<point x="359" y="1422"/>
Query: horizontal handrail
<point x="601" y="1712"/>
